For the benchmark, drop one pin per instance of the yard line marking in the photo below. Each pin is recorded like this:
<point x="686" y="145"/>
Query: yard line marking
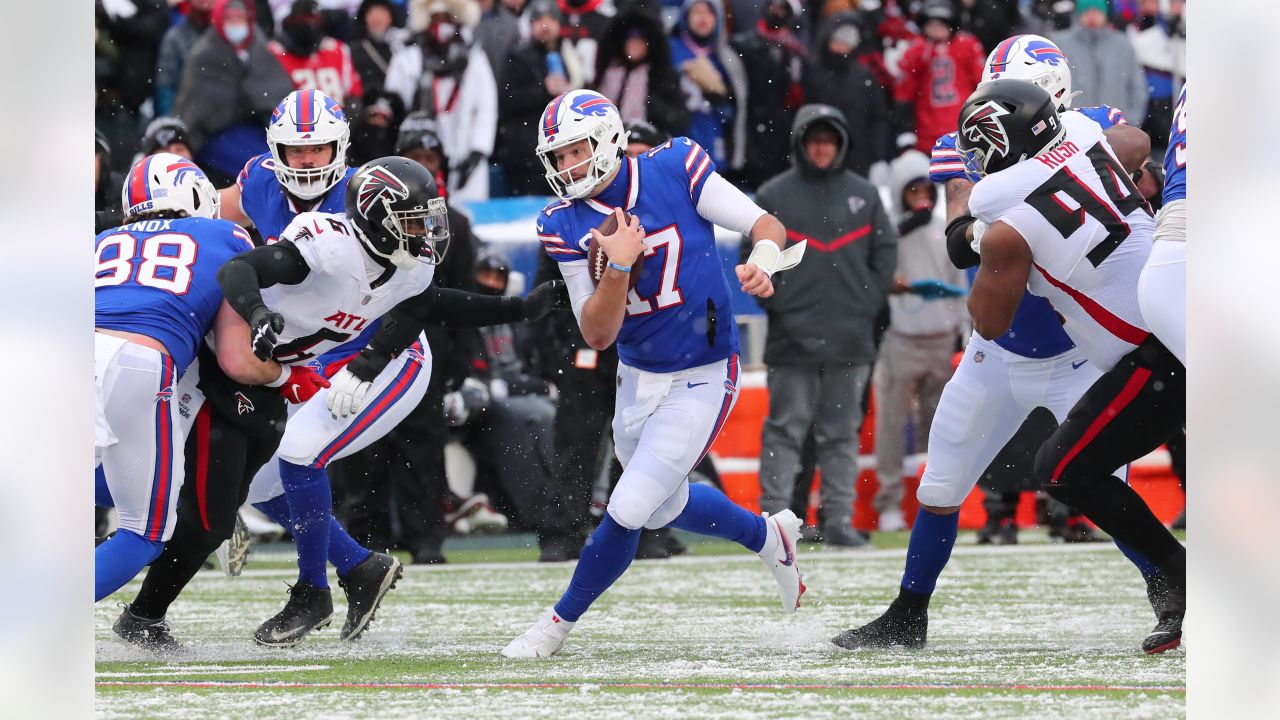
<point x="181" y="670"/>
<point x="250" y="685"/>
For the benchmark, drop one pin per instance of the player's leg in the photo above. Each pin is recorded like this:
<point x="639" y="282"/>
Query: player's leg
<point x="1127" y="413"/>
<point x="793" y="394"/>
<point x="143" y="467"/>
<point x="977" y="415"/>
<point x="1072" y="377"/>
<point x="836" y="426"/>
<point x="1162" y="295"/>
<point x="313" y="439"/>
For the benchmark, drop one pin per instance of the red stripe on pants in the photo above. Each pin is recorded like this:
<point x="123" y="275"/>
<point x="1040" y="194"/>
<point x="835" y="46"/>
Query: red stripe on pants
<point x="1109" y="413"/>
<point x="202" y="464"/>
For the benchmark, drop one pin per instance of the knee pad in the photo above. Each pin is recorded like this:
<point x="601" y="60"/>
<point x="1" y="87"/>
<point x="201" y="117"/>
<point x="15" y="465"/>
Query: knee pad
<point x="670" y="509"/>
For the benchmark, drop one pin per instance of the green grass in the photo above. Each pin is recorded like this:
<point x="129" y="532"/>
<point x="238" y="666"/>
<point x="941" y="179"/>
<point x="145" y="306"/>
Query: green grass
<point x="1032" y="631"/>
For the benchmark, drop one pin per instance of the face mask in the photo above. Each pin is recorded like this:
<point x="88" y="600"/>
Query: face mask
<point x="236" y="34"/>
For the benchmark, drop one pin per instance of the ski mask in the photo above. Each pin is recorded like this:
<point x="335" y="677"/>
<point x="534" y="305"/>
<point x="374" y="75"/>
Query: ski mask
<point x="303" y="28"/>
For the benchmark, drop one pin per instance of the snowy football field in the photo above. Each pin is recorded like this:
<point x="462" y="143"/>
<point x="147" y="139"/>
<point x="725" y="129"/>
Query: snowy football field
<point x="1035" y="630"/>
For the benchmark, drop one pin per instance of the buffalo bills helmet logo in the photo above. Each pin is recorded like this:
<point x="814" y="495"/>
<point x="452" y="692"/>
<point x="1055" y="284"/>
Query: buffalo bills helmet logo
<point x="983" y="126"/>
<point x="1045" y="52"/>
<point x="591" y="104"/>
<point x="182" y="169"/>
<point x="375" y="182"/>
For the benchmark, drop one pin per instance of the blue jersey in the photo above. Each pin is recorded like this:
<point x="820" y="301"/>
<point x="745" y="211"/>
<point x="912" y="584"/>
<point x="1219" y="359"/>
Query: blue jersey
<point x="1175" y="158"/>
<point x="678" y="315"/>
<point x="159" y="278"/>
<point x="264" y="200"/>
<point x="1036" y="331"/>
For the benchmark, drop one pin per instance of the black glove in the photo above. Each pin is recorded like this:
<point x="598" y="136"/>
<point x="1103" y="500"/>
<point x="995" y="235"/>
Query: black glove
<point x="917" y="219"/>
<point x="544" y="298"/>
<point x="264" y="323"/>
<point x="468" y="166"/>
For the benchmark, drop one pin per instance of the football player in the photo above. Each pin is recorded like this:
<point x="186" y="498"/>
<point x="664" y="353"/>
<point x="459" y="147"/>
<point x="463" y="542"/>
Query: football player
<point x="327" y="279"/>
<point x="156" y="297"/>
<point x="1163" y="287"/>
<point x="1063" y="218"/>
<point x="676" y="336"/>
<point x="999" y="381"/>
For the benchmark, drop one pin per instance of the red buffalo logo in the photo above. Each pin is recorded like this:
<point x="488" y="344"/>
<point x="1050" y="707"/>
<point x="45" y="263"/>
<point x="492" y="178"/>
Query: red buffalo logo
<point x="375" y="182"/>
<point x="984" y="127"/>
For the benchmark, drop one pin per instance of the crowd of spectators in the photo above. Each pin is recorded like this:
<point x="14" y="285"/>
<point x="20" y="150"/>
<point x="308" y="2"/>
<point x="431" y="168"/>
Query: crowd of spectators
<point x="459" y="86"/>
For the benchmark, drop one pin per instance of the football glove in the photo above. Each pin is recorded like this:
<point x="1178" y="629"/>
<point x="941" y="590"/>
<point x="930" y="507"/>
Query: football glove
<point x="544" y="298"/>
<point x="346" y="394"/>
<point x="264" y="324"/>
<point x="303" y="383"/>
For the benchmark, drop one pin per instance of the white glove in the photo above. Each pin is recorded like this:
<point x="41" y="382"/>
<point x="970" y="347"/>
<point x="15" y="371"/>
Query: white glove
<point x="346" y="394"/>
<point x="455" y="410"/>
<point x="979" y="228"/>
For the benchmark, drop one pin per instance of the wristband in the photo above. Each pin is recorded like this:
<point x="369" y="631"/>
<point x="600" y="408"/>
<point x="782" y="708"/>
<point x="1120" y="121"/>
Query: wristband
<point x="619" y="268"/>
<point x="285" y="372"/>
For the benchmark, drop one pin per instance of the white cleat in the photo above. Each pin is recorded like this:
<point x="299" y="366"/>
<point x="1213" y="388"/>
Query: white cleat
<point x="542" y="640"/>
<point x="779" y="555"/>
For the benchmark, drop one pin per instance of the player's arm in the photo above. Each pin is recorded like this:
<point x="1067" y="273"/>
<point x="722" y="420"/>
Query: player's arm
<point x="960" y="224"/>
<point x="229" y="206"/>
<point x="235" y="351"/>
<point x="601" y="317"/>
<point x="445" y="307"/>
<point x="1131" y="145"/>
<point x="243" y="278"/>
<point x="730" y="208"/>
<point x="1001" y="280"/>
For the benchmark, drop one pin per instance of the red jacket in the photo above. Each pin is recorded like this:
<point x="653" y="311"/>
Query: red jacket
<point x="938" y="78"/>
<point x="329" y="70"/>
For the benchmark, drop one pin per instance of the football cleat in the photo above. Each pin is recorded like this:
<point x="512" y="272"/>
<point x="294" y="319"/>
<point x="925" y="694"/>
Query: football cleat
<point x="234" y="551"/>
<point x="544" y="639"/>
<point x="365" y="586"/>
<point x="779" y="555"/>
<point x="151" y="635"/>
<point x="1167" y="634"/>
<point x="895" y="628"/>
<point x="309" y="608"/>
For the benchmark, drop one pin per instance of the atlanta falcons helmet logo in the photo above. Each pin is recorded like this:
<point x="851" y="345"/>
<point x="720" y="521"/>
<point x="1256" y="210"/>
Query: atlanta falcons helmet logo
<point x="983" y="126"/>
<point x="375" y="182"/>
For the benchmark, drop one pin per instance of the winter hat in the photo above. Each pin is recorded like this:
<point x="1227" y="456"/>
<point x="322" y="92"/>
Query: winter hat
<point x="1083" y="5"/>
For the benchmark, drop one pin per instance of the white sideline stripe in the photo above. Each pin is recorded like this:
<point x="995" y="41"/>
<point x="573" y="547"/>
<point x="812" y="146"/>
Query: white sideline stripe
<point x="745" y="557"/>
<point x="1158" y="458"/>
<point x="184" y="670"/>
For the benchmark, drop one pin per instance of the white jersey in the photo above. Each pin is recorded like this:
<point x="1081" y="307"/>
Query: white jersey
<point x="1089" y="231"/>
<point x="335" y="303"/>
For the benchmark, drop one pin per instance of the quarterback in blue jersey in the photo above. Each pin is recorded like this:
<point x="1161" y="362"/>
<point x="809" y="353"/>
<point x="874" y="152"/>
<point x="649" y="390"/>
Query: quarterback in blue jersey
<point x="1162" y="290"/>
<point x="156" y="297"/>
<point x="998" y="382"/>
<point x="676" y="336"/>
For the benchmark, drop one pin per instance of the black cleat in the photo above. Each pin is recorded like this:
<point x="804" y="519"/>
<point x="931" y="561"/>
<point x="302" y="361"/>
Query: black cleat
<point x="1167" y="633"/>
<point x="151" y="635"/>
<point x="365" y="586"/>
<point x="895" y="628"/>
<point x="309" y="608"/>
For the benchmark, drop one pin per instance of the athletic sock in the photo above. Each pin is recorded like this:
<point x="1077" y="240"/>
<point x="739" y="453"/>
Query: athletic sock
<point x="310" y="506"/>
<point x="710" y="512"/>
<point x="1145" y="566"/>
<point x="344" y="552"/>
<point x="932" y="538"/>
<point x="607" y="554"/>
<point x="119" y="559"/>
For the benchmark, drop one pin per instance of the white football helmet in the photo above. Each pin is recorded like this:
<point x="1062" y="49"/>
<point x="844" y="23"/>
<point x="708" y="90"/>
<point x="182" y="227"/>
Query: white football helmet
<point x="165" y="181"/>
<point x="575" y="116"/>
<point x="1035" y="59"/>
<point x="309" y="117"/>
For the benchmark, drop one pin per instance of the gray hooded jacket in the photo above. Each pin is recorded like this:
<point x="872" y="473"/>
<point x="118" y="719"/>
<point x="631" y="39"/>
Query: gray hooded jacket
<point x="823" y="311"/>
